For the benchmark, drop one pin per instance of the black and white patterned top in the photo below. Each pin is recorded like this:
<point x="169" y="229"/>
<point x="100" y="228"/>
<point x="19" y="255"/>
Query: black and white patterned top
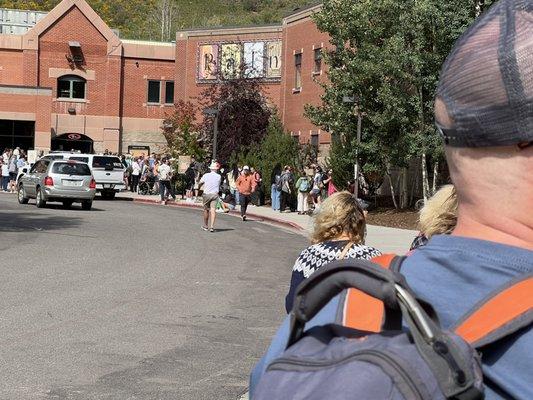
<point x="317" y="255"/>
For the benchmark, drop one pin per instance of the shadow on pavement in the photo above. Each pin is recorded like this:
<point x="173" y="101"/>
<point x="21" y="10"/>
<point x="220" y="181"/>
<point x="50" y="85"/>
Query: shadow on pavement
<point x="28" y="221"/>
<point x="73" y="207"/>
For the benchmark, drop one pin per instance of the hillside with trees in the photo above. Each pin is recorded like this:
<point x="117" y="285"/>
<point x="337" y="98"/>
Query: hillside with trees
<point x="159" y="19"/>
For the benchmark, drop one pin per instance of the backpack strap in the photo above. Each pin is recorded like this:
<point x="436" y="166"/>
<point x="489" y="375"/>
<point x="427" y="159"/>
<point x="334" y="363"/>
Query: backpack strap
<point x="501" y="313"/>
<point x="363" y="312"/>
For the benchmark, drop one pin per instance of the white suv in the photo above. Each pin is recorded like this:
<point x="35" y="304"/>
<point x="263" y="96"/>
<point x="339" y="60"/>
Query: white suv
<point x="108" y="171"/>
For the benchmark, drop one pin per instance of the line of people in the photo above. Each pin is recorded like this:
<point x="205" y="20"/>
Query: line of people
<point x="11" y="161"/>
<point x="150" y="175"/>
<point x="302" y="194"/>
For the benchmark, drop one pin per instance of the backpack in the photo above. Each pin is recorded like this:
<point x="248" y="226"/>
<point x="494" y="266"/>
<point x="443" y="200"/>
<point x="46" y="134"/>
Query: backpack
<point x="336" y="362"/>
<point x="277" y="182"/>
<point x="304" y="185"/>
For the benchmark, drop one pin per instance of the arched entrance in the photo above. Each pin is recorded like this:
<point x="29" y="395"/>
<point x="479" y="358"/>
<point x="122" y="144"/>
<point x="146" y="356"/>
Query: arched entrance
<point x="72" y="141"/>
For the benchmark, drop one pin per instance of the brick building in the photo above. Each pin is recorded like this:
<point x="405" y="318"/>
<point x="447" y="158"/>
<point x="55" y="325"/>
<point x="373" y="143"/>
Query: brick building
<point x="70" y="82"/>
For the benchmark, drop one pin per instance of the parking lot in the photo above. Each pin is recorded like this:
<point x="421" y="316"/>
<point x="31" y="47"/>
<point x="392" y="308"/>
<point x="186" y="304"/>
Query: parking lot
<point x="132" y="301"/>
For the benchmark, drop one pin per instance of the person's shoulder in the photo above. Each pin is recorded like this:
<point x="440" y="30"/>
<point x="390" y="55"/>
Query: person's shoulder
<point x="360" y="250"/>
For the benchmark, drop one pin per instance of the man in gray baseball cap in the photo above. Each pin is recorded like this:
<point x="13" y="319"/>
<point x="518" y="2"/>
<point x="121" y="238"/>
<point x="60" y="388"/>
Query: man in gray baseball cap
<point x="484" y="111"/>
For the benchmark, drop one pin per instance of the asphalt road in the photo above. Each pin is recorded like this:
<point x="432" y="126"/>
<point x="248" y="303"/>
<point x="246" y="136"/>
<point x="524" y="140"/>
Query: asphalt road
<point x="135" y="301"/>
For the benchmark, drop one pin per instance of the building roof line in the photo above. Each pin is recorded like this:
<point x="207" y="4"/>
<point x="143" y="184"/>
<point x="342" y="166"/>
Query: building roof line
<point x="147" y="42"/>
<point x="307" y="7"/>
<point x="228" y="27"/>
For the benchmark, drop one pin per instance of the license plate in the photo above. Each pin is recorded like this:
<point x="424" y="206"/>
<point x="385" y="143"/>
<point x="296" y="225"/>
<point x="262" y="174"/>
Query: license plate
<point x="108" y="186"/>
<point x="71" y="183"/>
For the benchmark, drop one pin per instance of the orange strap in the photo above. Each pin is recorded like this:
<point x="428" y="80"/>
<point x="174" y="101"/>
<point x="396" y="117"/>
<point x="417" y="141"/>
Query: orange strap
<point x="362" y="311"/>
<point x="498" y="311"/>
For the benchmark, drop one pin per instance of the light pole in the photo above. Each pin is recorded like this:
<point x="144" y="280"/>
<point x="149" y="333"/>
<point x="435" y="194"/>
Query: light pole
<point x="355" y="101"/>
<point x="213" y="112"/>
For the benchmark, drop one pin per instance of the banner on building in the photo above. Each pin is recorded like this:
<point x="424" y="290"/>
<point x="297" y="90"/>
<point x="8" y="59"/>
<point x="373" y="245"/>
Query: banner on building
<point x="230" y="63"/>
<point x="273" y="61"/>
<point x="208" y="62"/>
<point x="254" y="59"/>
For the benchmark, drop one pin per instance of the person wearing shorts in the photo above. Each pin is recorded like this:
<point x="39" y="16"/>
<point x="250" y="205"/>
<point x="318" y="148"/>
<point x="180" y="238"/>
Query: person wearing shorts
<point x="211" y="187"/>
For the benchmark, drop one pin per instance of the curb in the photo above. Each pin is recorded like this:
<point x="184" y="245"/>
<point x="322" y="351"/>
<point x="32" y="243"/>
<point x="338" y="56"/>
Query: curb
<point x="256" y="217"/>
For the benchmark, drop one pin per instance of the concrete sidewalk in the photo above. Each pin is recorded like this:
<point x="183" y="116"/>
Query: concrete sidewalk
<point x="389" y="240"/>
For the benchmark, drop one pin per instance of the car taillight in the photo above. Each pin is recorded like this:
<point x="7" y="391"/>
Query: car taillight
<point x="92" y="185"/>
<point x="48" y="181"/>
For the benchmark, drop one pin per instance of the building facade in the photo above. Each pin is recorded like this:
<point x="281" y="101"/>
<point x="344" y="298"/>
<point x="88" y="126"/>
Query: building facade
<point x="67" y="81"/>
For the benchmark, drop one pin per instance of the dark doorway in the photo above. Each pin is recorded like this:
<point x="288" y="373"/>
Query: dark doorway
<point x="73" y="141"/>
<point x="17" y="134"/>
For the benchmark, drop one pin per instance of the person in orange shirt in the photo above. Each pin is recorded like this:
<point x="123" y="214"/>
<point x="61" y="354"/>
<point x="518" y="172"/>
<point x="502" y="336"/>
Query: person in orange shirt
<point x="246" y="185"/>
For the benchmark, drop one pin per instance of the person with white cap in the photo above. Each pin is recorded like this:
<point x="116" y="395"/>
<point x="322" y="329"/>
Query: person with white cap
<point x="211" y="184"/>
<point x="246" y="185"/>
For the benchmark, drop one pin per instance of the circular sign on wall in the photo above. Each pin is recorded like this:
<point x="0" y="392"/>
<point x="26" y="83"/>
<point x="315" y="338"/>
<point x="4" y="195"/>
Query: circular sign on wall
<point x="74" y="136"/>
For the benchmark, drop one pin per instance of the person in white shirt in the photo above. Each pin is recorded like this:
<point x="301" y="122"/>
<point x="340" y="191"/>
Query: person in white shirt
<point x="165" y="175"/>
<point x="211" y="184"/>
<point x="5" y="176"/>
<point x="135" y="175"/>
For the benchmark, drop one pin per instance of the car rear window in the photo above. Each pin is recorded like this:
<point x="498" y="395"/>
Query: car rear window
<point x="66" y="168"/>
<point x="106" y="161"/>
<point x="83" y="159"/>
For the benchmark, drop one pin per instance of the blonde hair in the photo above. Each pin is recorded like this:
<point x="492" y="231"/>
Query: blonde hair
<point x="339" y="214"/>
<point x="439" y="215"/>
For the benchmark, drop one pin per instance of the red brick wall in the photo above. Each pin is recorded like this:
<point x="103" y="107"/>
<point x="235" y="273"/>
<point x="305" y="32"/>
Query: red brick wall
<point x="301" y="36"/>
<point x="17" y="103"/>
<point x="186" y="65"/>
<point x="136" y="86"/>
<point x="11" y="67"/>
<point x="40" y="105"/>
<point x="53" y="48"/>
<point x="30" y="68"/>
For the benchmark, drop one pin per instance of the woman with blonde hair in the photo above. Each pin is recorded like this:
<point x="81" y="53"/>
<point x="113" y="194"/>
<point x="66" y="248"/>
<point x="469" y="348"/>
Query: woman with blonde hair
<point x="438" y="216"/>
<point x="339" y="232"/>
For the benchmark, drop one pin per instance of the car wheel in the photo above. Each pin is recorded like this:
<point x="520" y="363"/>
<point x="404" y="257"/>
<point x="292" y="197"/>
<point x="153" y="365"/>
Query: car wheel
<point x="22" y="195"/>
<point x="86" y="205"/>
<point x="39" y="200"/>
<point x="67" y="203"/>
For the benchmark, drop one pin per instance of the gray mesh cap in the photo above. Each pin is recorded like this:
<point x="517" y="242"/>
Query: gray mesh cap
<point x="485" y="93"/>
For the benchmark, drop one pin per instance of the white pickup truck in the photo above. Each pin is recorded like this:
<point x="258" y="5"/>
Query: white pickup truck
<point x="108" y="171"/>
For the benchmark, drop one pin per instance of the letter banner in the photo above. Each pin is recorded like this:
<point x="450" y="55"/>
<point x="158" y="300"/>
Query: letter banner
<point x="231" y="60"/>
<point x="207" y="64"/>
<point x="254" y="59"/>
<point x="273" y="69"/>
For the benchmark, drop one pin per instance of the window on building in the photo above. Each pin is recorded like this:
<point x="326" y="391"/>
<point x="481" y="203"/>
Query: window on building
<point x="298" y="71"/>
<point x="71" y="87"/>
<point x="318" y="61"/>
<point x="314" y="139"/>
<point x="154" y="92"/>
<point x="169" y="92"/>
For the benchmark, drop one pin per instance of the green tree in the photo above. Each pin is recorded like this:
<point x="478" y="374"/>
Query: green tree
<point x="180" y="130"/>
<point x="276" y="149"/>
<point x="387" y="54"/>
